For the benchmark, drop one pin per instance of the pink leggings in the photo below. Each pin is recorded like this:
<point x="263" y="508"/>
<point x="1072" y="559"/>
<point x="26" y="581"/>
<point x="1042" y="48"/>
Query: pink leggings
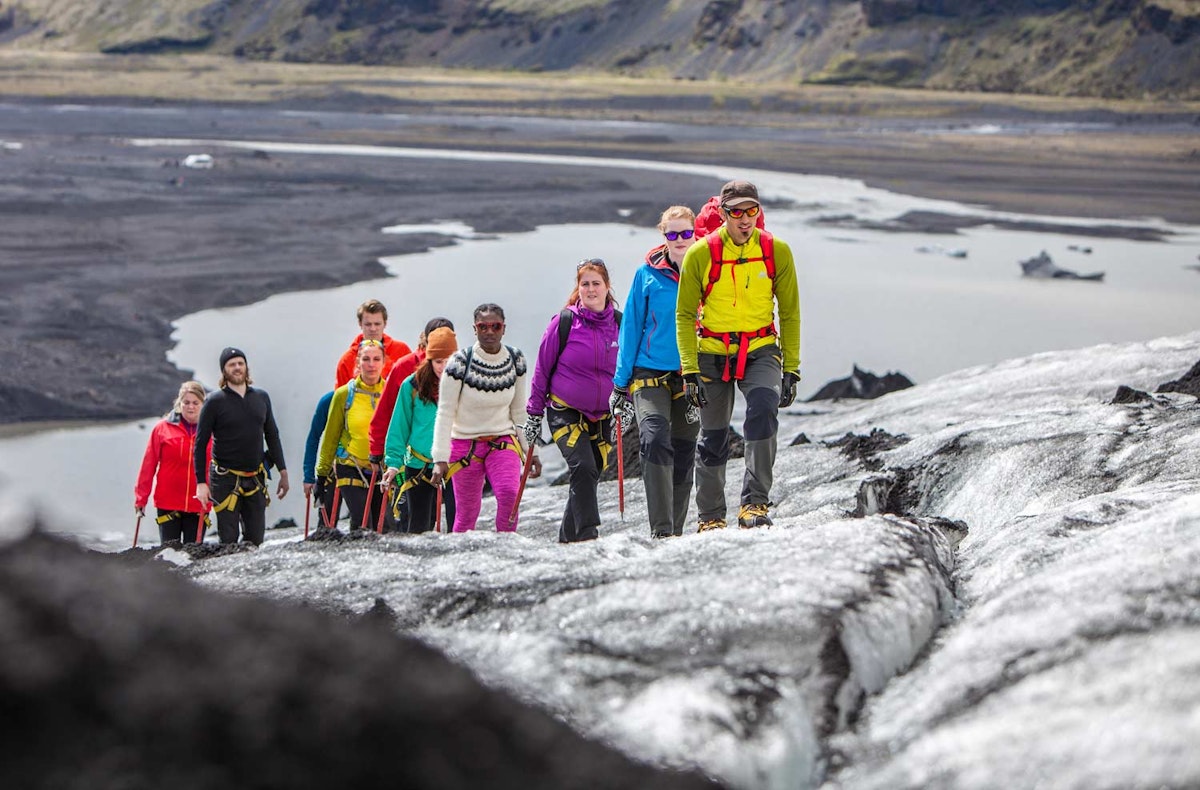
<point x="501" y="467"/>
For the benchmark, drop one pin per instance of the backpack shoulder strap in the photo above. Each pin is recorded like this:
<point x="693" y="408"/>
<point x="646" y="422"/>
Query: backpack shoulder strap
<point x="565" y="319"/>
<point x="716" y="248"/>
<point x="351" y="391"/>
<point x="767" y="242"/>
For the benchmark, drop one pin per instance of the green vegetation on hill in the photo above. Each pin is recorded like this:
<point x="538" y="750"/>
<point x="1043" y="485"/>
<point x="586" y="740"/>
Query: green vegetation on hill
<point x="1101" y="48"/>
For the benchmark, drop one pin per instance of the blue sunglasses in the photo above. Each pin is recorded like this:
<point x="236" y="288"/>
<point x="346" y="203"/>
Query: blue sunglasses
<point x="672" y="235"/>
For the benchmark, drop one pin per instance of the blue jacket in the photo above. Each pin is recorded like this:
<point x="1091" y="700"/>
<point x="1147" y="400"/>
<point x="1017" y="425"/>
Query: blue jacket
<point x="314" y="437"/>
<point x="647" y="337"/>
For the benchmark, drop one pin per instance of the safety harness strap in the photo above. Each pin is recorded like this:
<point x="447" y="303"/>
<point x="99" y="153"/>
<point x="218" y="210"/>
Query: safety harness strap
<point x="259" y="476"/>
<point x="742" y="339"/>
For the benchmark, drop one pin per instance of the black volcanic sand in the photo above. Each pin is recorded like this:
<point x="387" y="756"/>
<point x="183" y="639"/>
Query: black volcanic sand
<point x="103" y="244"/>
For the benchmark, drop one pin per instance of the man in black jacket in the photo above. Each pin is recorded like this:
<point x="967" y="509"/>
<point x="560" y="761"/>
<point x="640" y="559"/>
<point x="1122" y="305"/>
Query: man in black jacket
<point x="238" y="417"/>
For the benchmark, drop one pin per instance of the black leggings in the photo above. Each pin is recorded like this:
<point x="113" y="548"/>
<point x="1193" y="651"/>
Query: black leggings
<point x="422" y="503"/>
<point x="248" y="513"/>
<point x="355" y="497"/>
<point x="179" y="526"/>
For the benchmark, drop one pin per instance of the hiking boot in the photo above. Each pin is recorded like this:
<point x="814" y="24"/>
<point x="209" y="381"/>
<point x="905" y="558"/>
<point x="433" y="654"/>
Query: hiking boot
<point x="711" y="523"/>
<point x="751" y="516"/>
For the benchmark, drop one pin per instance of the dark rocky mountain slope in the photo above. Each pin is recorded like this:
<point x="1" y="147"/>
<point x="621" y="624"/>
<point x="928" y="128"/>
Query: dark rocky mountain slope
<point x="1112" y="48"/>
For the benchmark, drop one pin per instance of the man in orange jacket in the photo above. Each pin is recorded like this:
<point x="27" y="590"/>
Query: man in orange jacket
<point x="372" y="319"/>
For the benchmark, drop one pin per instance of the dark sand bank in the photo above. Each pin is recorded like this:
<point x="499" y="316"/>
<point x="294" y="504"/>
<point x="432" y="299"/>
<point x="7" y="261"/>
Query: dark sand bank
<point x="103" y="244"/>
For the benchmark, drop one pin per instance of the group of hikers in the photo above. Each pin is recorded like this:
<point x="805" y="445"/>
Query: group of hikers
<point x="407" y="435"/>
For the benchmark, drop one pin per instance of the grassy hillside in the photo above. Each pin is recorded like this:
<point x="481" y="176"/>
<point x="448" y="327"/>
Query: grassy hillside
<point x="1110" y="48"/>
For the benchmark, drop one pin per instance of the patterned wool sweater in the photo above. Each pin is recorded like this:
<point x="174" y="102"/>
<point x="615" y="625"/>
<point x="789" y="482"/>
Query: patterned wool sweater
<point x="487" y="400"/>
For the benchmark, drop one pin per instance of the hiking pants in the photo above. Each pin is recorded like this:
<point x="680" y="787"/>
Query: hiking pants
<point x="668" y="452"/>
<point x="422" y="503"/>
<point x="178" y="526"/>
<point x="355" y="496"/>
<point x="501" y="467"/>
<point x="585" y="461"/>
<point x="248" y="514"/>
<point x="760" y="387"/>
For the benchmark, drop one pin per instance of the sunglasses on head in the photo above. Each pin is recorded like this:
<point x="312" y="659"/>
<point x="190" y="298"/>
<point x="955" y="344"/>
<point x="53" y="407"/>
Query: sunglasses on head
<point x="489" y="326"/>
<point x="591" y="262"/>
<point x="672" y="235"/>
<point x="738" y="213"/>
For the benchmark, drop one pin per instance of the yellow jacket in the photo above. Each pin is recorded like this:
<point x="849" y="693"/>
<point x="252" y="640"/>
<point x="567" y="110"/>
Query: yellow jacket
<point x="348" y="430"/>
<point x="743" y="300"/>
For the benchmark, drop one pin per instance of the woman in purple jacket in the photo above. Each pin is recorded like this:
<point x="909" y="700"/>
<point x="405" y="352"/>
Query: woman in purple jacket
<point x="572" y="382"/>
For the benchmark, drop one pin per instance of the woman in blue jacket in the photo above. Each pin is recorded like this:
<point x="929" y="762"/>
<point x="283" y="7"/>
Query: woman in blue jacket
<point x="648" y="372"/>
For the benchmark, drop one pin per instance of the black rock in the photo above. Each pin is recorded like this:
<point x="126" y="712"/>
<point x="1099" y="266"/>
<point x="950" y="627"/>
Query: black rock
<point x="123" y="674"/>
<point x="1188" y="384"/>
<point x="1129" y="395"/>
<point x="863" y="384"/>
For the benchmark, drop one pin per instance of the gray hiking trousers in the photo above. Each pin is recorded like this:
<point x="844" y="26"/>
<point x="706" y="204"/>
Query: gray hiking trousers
<point x="667" y="448"/>
<point x="760" y="387"/>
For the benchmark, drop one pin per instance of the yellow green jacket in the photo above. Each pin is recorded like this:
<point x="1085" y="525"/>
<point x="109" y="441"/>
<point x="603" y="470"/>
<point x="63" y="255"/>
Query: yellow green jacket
<point x="348" y="431"/>
<point x="741" y="301"/>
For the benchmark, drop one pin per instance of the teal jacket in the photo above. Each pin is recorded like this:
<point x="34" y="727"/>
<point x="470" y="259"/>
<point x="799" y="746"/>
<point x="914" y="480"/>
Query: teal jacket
<point x="410" y="434"/>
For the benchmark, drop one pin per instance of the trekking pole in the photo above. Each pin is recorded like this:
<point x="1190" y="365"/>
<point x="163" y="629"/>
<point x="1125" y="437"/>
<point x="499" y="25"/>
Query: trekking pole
<point x="383" y="500"/>
<point x="136" y="528"/>
<point x="307" y="511"/>
<point x="512" y="518"/>
<point x="620" y="469"/>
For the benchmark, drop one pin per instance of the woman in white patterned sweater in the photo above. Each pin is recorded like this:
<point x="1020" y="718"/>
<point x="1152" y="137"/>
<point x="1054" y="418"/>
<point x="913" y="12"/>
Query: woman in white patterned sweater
<point x="480" y="404"/>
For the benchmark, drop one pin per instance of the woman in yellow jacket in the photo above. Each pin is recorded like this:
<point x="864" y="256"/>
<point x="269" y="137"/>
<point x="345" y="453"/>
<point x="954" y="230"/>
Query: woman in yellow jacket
<point x="345" y="445"/>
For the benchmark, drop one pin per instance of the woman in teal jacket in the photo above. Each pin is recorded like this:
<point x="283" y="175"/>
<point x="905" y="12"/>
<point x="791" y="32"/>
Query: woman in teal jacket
<point x="409" y="440"/>
<point x="648" y="373"/>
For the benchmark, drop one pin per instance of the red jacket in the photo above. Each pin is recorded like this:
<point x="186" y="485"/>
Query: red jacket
<point x="387" y="401"/>
<point x="170" y="453"/>
<point x="393" y="351"/>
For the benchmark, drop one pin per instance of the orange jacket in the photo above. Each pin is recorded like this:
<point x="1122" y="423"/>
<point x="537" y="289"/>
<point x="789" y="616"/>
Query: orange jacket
<point x="393" y="350"/>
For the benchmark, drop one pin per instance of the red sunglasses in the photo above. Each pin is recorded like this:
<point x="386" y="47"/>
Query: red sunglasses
<point x="489" y="326"/>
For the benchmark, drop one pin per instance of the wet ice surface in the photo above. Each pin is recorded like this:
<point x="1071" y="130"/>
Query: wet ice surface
<point x="785" y="657"/>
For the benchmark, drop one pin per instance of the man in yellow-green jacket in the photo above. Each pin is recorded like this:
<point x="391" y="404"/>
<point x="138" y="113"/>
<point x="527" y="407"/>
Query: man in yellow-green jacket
<point x="729" y="285"/>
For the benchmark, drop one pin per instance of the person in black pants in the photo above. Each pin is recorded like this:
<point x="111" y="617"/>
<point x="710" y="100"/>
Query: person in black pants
<point x="238" y="418"/>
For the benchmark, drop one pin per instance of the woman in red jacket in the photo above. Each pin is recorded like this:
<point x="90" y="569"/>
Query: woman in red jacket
<point x="168" y="465"/>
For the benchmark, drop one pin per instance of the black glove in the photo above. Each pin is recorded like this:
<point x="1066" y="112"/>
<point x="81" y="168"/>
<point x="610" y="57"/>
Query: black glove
<point x="788" y="393"/>
<point x="619" y="405"/>
<point x="533" y="430"/>
<point x="693" y="390"/>
<point x="318" y="491"/>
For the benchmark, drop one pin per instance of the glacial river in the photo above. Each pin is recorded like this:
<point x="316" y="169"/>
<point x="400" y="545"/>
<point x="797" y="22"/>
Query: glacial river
<point x="885" y="301"/>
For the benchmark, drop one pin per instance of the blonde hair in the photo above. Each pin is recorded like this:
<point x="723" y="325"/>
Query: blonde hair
<point x="187" y="387"/>
<point x="676" y="212"/>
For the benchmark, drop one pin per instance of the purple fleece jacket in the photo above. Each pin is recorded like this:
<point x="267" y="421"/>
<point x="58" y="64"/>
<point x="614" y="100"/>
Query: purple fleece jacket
<point x="583" y="376"/>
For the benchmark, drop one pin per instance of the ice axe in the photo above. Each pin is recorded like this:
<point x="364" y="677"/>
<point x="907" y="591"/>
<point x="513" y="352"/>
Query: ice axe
<point x="307" y="511"/>
<point x="367" y="504"/>
<point x="383" y="500"/>
<point x="620" y="468"/>
<point x="438" y="510"/>
<point x="512" y="518"/>
<point x="201" y="526"/>
<point x="137" y="527"/>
